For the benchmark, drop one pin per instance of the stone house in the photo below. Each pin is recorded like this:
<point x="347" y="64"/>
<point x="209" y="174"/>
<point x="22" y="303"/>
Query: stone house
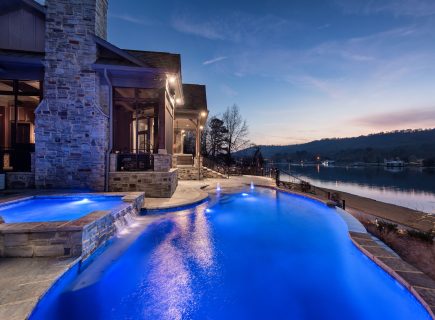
<point x="78" y="112"/>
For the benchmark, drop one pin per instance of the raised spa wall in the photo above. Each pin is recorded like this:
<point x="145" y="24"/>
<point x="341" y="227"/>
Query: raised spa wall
<point x="74" y="238"/>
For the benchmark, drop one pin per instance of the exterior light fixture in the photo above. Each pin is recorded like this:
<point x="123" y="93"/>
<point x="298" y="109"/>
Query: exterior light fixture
<point x="178" y="101"/>
<point x="183" y="131"/>
<point x="203" y="114"/>
<point x="172" y="79"/>
<point x="201" y="127"/>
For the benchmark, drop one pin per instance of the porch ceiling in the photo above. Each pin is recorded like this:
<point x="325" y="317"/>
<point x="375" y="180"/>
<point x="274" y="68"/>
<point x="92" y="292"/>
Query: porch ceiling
<point x="184" y="113"/>
<point x="185" y="124"/>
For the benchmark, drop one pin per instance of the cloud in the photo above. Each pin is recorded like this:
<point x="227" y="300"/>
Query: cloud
<point x="323" y="85"/>
<point x="414" y="8"/>
<point x="132" y="19"/>
<point x="214" y="60"/>
<point x="205" y="30"/>
<point x="237" y="27"/>
<point x="416" y="118"/>
<point x="228" y="91"/>
<point x="324" y="26"/>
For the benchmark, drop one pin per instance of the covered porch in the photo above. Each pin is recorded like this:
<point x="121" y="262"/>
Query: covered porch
<point x="143" y="89"/>
<point x="190" y="120"/>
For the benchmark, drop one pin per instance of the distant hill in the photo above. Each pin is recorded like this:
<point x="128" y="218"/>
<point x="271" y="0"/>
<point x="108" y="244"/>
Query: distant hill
<point x="408" y="145"/>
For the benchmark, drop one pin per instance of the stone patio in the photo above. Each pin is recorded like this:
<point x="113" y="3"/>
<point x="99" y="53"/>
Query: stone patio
<point x="23" y="281"/>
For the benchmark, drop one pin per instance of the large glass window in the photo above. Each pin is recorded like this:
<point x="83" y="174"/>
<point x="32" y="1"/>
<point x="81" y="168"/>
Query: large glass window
<point x="18" y="101"/>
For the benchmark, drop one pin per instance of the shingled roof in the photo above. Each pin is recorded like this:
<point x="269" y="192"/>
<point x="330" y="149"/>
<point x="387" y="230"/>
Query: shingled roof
<point x="195" y="96"/>
<point x="167" y="62"/>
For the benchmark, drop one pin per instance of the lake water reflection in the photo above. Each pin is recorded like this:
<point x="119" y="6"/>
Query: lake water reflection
<point x="409" y="187"/>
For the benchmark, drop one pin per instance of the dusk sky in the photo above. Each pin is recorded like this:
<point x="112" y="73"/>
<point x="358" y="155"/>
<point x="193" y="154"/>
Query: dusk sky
<point x="299" y="70"/>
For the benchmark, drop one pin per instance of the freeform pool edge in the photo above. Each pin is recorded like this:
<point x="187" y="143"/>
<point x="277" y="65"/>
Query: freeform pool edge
<point x="424" y="294"/>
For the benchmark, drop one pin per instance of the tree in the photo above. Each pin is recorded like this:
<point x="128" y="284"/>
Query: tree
<point x="217" y="135"/>
<point x="237" y="131"/>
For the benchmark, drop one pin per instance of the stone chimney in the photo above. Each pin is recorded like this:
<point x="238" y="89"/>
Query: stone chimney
<point x="71" y="131"/>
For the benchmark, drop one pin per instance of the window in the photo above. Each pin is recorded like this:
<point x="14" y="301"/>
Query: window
<point x="18" y="101"/>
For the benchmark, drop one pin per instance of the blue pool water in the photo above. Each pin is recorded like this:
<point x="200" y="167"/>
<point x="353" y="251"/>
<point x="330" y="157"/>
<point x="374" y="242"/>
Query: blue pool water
<point x="56" y="208"/>
<point x="262" y="255"/>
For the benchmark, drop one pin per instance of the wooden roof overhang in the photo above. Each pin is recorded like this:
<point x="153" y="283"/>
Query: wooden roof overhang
<point x="131" y="77"/>
<point x="21" y="65"/>
<point x="184" y="116"/>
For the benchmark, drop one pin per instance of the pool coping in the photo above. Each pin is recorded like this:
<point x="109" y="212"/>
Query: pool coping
<point x="416" y="282"/>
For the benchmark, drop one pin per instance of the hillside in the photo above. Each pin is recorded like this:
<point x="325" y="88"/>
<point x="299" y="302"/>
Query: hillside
<point x="408" y="145"/>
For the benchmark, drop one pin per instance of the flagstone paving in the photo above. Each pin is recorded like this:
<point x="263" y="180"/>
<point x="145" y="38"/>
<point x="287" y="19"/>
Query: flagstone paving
<point x="416" y="281"/>
<point x="24" y="280"/>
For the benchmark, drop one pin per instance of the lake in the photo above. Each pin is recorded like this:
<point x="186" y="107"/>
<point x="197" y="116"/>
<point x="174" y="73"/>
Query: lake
<point x="410" y="187"/>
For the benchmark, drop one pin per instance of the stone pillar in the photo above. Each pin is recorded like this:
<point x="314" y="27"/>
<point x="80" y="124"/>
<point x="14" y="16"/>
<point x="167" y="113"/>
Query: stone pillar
<point x="71" y="131"/>
<point x="174" y="161"/>
<point x="113" y="162"/>
<point x="197" y="162"/>
<point x="32" y="162"/>
<point x="162" y="162"/>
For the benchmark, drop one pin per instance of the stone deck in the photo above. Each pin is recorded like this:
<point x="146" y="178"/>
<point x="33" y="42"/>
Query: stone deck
<point x="23" y="281"/>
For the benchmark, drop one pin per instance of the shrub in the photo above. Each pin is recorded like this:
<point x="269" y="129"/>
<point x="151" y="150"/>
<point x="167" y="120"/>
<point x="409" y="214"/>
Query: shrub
<point x="305" y="186"/>
<point x="387" y="227"/>
<point x="423" y="236"/>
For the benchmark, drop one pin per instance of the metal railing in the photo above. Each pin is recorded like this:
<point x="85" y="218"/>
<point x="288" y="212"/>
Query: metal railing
<point x="289" y="181"/>
<point x="216" y="165"/>
<point x="135" y="162"/>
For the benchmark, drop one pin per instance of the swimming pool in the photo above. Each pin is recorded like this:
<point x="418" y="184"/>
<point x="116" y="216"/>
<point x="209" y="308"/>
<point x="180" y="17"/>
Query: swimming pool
<point x="56" y="208"/>
<point x="259" y="255"/>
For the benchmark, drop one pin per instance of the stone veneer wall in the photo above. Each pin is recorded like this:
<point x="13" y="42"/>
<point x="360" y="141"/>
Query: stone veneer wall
<point x="191" y="173"/>
<point x="154" y="184"/>
<point x="162" y="162"/>
<point x="79" y="237"/>
<point x="188" y="173"/>
<point x="71" y="129"/>
<point x="20" y="180"/>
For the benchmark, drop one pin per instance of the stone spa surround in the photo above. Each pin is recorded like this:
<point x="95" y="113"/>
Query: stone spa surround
<point x="74" y="238"/>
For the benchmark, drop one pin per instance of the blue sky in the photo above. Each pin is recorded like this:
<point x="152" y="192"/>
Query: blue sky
<point x="299" y="70"/>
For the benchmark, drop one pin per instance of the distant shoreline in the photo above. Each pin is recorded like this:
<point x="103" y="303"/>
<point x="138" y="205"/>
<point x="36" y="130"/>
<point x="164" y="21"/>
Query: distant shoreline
<point x="349" y="165"/>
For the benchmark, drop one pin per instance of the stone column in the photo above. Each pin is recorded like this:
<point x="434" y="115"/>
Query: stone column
<point x="71" y="132"/>
<point x="162" y="162"/>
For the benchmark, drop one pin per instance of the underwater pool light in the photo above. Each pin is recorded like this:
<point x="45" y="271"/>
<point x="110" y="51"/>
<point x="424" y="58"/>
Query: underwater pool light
<point x="83" y="201"/>
<point x="245" y="194"/>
